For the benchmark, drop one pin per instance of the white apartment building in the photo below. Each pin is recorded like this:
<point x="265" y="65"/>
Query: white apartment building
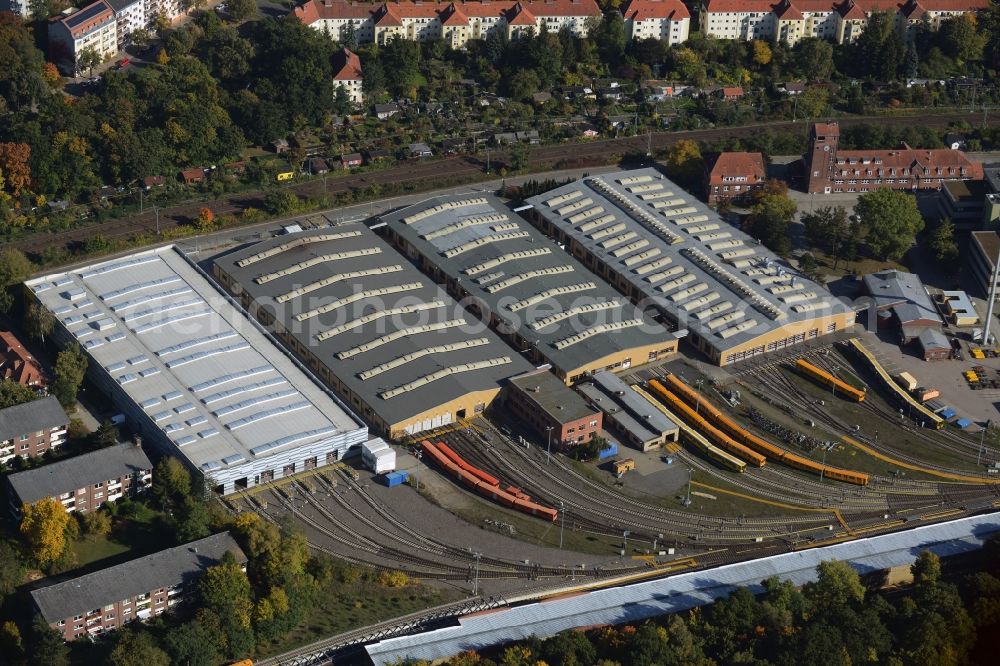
<point x="94" y="26"/>
<point x="657" y="19"/>
<point x="347" y="75"/>
<point x="840" y="21"/>
<point x="130" y="16"/>
<point x="455" y="22"/>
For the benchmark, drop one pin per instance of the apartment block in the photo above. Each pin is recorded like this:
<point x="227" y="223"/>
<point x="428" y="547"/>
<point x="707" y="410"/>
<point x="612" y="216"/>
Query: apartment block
<point x="32" y="428"/>
<point x="454" y="22"/>
<point x="146" y="587"/>
<point x="667" y="20"/>
<point x="841" y="21"/>
<point x="347" y="75"/>
<point x="93" y="27"/>
<point x="83" y="483"/>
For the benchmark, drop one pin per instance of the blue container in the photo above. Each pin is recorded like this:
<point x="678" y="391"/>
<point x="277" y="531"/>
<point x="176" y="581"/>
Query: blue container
<point x="963" y="423"/>
<point x="393" y="479"/>
<point x="609" y="452"/>
<point x="947" y="413"/>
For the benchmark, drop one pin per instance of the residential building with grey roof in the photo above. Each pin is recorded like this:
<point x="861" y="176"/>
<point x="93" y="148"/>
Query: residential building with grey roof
<point x="85" y="482"/>
<point x="139" y="589"/>
<point x="192" y="374"/>
<point x="728" y="295"/>
<point x="546" y="304"/>
<point x="32" y="428"/>
<point x="389" y="341"/>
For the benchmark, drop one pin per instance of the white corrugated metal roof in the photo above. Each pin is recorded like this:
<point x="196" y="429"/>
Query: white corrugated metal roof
<point x="682" y="591"/>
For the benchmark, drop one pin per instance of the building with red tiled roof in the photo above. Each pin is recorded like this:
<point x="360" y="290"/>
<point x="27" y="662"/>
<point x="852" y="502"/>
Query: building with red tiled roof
<point x="347" y="74"/>
<point x="17" y="364"/>
<point x="731" y="93"/>
<point x="841" y="21"/>
<point x="668" y="20"/>
<point x="829" y="169"/>
<point x="734" y="176"/>
<point x="455" y="22"/>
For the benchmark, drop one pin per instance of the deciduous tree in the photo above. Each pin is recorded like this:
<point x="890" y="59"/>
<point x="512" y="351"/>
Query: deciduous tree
<point x="43" y="527"/>
<point x="12" y="393"/>
<point x="891" y="220"/>
<point x="70" y="369"/>
<point x="38" y="321"/>
<point x="138" y="648"/>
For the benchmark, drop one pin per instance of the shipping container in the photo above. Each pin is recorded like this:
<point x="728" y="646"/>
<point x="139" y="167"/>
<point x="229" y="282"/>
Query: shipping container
<point x="393" y="479"/>
<point x="612" y="450"/>
<point x="907" y="381"/>
<point x="925" y="394"/>
<point x="947" y="413"/>
<point x="963" y="423"/>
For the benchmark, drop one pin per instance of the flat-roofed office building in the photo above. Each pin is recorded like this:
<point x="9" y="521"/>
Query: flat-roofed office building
<point x="546" y="304"/>
<point x="661" y="247"/>
<point x="192" y="374"/>
<point x="387" y="339"/>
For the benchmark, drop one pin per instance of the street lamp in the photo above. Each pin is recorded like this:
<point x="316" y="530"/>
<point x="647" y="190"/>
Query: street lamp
<point x="562" y="522"/>
<point x="475" y="583"/>
<point x="687" y="499"/>
<point x="697" y="402"/>
<point x="548" y="449"/>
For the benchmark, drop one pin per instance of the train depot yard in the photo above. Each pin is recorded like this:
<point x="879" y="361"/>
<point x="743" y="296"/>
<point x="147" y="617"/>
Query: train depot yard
<point x="611" y="383"/>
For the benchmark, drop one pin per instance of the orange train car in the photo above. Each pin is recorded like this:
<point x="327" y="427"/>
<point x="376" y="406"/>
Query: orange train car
<point x="719" y="438"/>
<point x="475" y="471"/>
<point x="825" y="378"/>
<point x="726" y="424"/>
<point x="493" y="492"/>
<point x="741" y="434"/>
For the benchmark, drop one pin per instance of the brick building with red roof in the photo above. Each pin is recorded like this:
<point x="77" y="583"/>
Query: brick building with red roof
<point x="734" y="176"/>
<point x="668" y="20"/>
<point x="17" y="364"/>
<point x="830" y="170"/>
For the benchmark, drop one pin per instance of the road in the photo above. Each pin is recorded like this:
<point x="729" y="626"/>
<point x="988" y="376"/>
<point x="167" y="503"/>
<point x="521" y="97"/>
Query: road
<point x="468" y="168"/>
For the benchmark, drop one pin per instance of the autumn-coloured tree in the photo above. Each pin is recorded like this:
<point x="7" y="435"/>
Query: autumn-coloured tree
<point x="51" y="74"/>
<point x="226" y="590"/>
<point x="15" y="168"/>
<point x="44" y="528"/>
<point x="684" y="162"/>
<point x="205" y="219"/>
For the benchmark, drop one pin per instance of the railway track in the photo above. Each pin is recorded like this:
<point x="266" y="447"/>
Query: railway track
<point x="590" y="500"/>
<point x="774" y="378"/>
<point x="468" y="168"/>
<point x="960" y="444"/>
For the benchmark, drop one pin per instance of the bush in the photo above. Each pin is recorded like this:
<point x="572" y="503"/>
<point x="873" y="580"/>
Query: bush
<point x="393" y="579"/>
<point x="280" y="202"/>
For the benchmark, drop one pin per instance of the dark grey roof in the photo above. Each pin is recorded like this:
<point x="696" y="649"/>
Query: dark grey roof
<point x="389" y="282"/>
<point x="931" y="338"/>
<point x="703" y="273"/>
<point x="991" y="173"/>
<point x="572" y="317"/>
<point x="119" y="5"/>
<point x="904" y="293"/>
<point x="552" y="396"/>
<point x="59" y="477"/>
<point x="627" y="407"/>
<point x="167" y="568"/>
<point x="29" y="417"/>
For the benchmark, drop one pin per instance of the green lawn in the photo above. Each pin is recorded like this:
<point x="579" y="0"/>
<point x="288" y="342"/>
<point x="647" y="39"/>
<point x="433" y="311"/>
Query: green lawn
<point x="90" y="549"/>
<point x="346" y="606"/>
